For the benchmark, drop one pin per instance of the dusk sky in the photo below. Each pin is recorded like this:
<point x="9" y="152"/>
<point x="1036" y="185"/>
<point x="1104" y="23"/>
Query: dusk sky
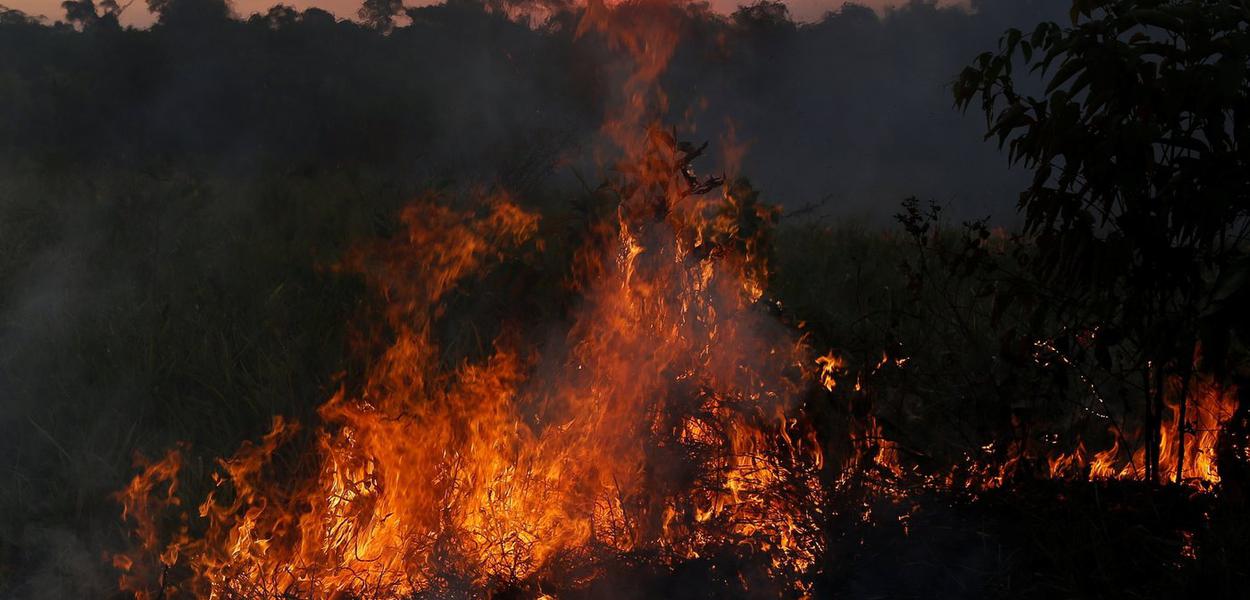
<point x="137" y="14"/>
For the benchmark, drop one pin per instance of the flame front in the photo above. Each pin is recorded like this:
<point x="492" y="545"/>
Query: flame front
<point x="662" y="421"/>
<point x="1208" y="407"/>
<point x="662" y="417"/>
<point x="1193" y="418"/>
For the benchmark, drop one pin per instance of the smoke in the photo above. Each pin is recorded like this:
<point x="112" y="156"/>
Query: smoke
<point x="852" y="110"/>
<point x="171" y="191"/>
<point x="58" y="563"/>
<point x="62" y="450"/>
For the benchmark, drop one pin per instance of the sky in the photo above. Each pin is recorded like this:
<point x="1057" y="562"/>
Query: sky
<point x="138" y="15"/>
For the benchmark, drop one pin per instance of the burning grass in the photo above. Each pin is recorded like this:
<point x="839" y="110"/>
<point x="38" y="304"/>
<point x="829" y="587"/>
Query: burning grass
<point x="667" y="421"/>
<point x="665" y="428"/>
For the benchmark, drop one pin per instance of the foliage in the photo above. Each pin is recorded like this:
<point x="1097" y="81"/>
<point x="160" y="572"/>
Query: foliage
<point x="380" y="14"/>
<point x="12" y="17"/>
<point x="1141" y="188"/>
<point x="168" y="196"/>
<point x="189" y="13"/>
<point x="84" y="14"/>
<point x="1139" y="206"/>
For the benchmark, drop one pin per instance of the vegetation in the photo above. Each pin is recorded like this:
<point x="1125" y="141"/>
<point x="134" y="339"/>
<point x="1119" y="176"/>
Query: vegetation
<point x="1137" y="215"/>
<point x="172" y="202"/>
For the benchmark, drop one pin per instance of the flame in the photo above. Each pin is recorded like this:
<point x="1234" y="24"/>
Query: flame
<point x="153" y="489"/>
<point x="665" y="421"/>
<point x="831" y="367"/>
<point x="1208" y="407"/>
<point x="663" y="417"/>
<point x="874" y="450"/>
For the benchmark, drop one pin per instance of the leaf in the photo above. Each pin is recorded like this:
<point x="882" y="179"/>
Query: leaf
<point x="1012" y="40"/>
<point x="1156" y="18"/>
<point x="1069" y="68"/>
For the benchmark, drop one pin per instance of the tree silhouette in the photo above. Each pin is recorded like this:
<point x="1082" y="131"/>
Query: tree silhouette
<point x="84" y="14"/>
<point x="12" y="16"/>
<point x="380" y="14"/>
<point x="1140" y="196"/>
<point x="763" y="14"/>
<point x="189" y="12"/>
<point x="277" y="17"/>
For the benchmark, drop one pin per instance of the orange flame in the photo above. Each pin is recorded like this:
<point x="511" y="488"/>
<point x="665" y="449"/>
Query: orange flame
<point x="663" y="423"/>
<point x="1208" y="408"/>
<point x="665" y="420"/>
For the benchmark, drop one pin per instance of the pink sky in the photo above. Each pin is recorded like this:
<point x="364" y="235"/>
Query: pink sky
<point x="137" y="14"/>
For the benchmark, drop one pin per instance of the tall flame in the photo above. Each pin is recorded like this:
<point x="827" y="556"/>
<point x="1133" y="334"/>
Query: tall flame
<point x="663" y="420"/>
<point x="662" y="417"/>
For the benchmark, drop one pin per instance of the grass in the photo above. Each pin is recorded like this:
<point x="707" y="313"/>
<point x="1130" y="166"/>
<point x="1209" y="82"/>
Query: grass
<point x="139" y="310"/>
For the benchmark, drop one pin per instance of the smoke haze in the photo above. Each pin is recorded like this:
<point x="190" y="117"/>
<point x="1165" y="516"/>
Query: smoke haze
<point x="168" y="195"/>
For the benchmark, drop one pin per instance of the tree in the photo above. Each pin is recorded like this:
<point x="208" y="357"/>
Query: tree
<point x="84" y="14"/>
<point x="380" y="14"/>
<point x="1139" y="206"/>
<point x="189" y="12"/>
<point x="12" y="16"/>
<point x="763" y="15"/>
<point x="279" y="16"/>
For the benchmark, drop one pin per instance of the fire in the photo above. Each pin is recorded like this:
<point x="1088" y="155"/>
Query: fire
<point x="154" y="488"/>
<point x="831" y="367"/>
<point x="664" y="422"/>
<point x="1187" y="443"/>
<point x="663" y="417"/>
<point x="1207" y="407"/>
<point x="666" y="419"/>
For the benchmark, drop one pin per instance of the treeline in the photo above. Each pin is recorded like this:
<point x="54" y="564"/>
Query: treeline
<point x="285" y="90"/>
<point x="851" y="109"/>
